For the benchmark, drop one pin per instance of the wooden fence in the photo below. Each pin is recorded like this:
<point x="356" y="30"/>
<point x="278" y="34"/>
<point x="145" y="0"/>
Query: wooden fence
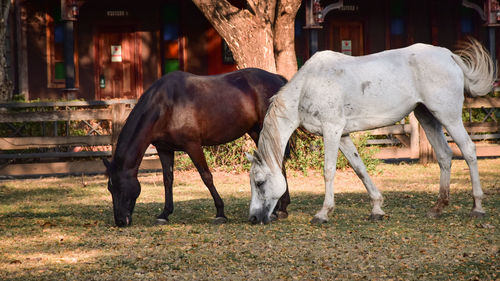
<point x="25" y="155"/>
<point x="408" y="140"/>
<point x="61" y="150"/>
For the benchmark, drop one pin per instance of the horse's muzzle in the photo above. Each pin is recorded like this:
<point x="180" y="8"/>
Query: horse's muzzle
<point x="127" y="221"/>
<point x="260" y="217"/>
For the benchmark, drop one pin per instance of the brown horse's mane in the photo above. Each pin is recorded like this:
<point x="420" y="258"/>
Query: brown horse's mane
<point x="127" y="147"/>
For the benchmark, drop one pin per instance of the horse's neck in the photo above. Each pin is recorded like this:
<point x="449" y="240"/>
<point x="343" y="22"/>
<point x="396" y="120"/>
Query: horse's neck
<point x="132" y="144"/>
<point x="129" y="157"/>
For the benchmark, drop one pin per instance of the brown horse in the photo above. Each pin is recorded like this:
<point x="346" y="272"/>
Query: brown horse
<point x="183" y="112"/>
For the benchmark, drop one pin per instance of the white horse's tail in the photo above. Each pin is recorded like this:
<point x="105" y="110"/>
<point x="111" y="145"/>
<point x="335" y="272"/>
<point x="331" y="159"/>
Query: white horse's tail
<point x="478" y="67"/>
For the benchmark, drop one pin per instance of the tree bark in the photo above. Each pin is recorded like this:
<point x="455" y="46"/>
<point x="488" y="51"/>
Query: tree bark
<point x="259" y="33"/>
<point x="284" y="38"/>
<point x="5" y="83"/>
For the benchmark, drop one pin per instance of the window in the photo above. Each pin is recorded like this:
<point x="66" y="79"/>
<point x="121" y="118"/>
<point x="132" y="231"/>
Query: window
<point x="171" y="40"/>
<point x="397" y="24"/>
<point x="55" y="51"/>
<point x="466" y="24"/>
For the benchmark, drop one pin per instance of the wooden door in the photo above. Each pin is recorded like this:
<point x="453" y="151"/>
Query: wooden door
<point x="347" y="38"/>
<point x="117" y="65"/>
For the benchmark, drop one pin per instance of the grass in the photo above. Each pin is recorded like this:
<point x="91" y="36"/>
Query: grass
<point x="62" y="229"/>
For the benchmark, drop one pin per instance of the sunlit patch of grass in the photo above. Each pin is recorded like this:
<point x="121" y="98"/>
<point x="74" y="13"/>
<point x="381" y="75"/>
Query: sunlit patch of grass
<point x="61" y="229"/>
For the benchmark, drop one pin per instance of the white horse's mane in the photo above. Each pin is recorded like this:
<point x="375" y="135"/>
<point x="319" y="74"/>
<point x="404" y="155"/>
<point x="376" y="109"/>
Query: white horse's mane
<point x="269" y="144"/>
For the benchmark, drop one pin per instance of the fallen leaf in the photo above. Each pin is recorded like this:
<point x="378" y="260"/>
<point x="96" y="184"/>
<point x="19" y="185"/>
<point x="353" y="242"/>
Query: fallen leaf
<point x="485" y="225"/>
<point x="48" y="224"/>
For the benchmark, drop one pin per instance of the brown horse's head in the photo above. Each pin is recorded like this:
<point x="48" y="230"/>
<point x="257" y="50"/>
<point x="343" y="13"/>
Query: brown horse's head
<point x="124" y="188"/>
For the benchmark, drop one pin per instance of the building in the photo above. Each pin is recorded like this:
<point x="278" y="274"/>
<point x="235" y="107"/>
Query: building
<point x="119" y="48"/>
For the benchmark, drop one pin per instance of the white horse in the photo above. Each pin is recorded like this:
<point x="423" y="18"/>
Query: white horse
<point x="333" y="95"/>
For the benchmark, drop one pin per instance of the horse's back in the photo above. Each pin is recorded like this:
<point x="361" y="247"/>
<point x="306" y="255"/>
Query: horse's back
<point x="213" y="109"/>
<point x="417" y="69"/>
<point x="184" y="85"/>
<point x="378" y="89"/>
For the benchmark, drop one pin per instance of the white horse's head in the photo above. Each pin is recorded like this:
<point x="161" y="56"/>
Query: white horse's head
<point x="267" y="185"/>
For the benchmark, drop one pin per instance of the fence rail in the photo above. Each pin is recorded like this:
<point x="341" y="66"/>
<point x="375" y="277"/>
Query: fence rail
<point x="57" y="151"/>
<point x="409" y="140"/>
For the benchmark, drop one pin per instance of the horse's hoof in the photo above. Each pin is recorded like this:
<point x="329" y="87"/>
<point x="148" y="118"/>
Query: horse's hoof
<point x="376" y="217"/>
<point x="273" y="217"/>
<point x="477" y="214"/>
<point x="282" y="215"/>
<point x="160" y="221"/>
<point x="318" y="221"/>
<point x="220" y="220"/>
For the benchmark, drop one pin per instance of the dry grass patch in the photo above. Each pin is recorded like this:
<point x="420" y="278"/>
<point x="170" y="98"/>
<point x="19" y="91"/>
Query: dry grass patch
<point x="59" y="229"/>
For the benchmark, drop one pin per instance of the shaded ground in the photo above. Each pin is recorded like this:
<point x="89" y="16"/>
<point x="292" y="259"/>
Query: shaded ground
<point x="59" y="229"/>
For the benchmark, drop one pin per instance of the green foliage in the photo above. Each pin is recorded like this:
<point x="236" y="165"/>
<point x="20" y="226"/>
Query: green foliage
<point x="477" y="115"/>
<point x="307" y="154"/>
<point x="19" y="98"/>
<point x="182" y="161"/>
<point x="230" y="156"/>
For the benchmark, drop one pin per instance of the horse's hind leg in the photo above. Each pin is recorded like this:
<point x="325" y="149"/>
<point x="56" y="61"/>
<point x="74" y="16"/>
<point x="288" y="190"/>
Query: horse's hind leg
<point x="195" y="152"/>
<point x="167" y="164"/>
<point x="436" y="137"/>
<point x="453" y="124"/>
<point x="468" y="149"/>
<point x="350" y="152"/>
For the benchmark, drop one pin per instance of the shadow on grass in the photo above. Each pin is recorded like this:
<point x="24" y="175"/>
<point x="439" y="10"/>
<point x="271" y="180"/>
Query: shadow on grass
<point x="49" y="204"/>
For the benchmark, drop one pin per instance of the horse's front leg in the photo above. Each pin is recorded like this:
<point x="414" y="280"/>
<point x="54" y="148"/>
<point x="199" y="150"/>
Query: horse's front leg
<point x="167" y="164"/>
<point x="331" y="138"/>
<point x="352" y="155"/>
<point x="195" y="152"/>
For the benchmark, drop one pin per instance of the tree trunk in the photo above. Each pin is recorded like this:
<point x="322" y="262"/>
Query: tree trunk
<point x="5" y="83"/>
<point x="284" y="38"/>
<point x="259" y="33"/>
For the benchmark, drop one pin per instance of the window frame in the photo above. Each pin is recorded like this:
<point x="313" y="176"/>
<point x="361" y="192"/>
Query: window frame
<point x="52" y="82"/>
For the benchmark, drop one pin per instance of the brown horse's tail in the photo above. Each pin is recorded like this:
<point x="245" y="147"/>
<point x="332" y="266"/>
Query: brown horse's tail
<point x="477" y="66"/>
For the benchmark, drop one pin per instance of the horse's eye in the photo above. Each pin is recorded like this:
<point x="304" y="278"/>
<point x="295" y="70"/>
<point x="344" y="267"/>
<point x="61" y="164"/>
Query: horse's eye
<point x="259" y="184"/>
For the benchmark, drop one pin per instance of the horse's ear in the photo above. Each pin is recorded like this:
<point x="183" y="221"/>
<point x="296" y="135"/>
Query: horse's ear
<point x="255" y="158"/>
<point x="249" y="156"/>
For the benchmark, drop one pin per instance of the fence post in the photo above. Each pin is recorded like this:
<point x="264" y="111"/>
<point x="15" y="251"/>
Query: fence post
<point x="118" y="113"/>
<point x="426" y="154"/>
<point x="414" y="137"/>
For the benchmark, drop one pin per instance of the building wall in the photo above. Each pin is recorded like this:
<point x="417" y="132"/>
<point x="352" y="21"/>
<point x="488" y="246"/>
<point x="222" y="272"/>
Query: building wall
<point x="37" y="53"/>
<point x="391" y="24"/>
<point x="194" y="46"/>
